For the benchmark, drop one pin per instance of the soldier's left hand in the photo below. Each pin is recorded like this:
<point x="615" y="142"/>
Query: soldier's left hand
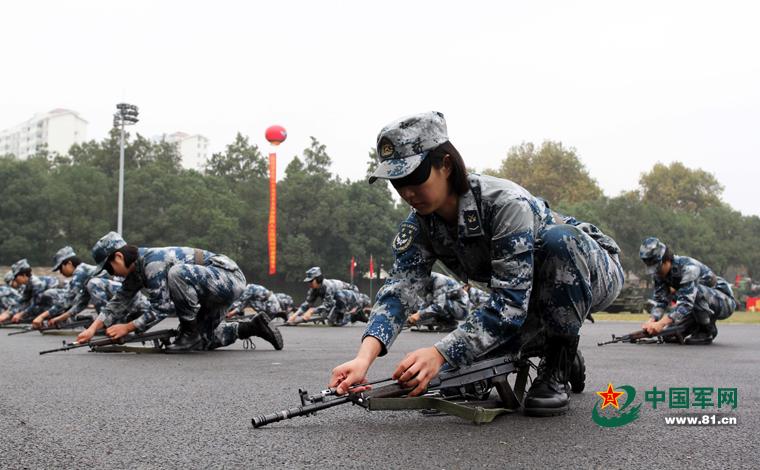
<point x="17" y="317"/>
<point x="413" y="318"/>
<point x="418" y="368"/>
<point x="120" y="330"/>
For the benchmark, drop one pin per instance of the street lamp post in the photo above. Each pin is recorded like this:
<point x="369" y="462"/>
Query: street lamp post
<point x="125" y="115"/>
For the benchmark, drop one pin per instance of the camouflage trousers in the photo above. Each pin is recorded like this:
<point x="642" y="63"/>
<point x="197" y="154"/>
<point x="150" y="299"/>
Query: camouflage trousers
<point x="205" y="293"/>
<point x="712" y="304"/>
<point x="271" y="306"/>
<point x="443" y="314"/>
<point x="573" y="277"/>
<point x="346" y="301"/>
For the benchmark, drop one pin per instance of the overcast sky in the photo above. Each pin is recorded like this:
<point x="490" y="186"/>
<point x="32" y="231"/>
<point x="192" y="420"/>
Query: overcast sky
<point x="625" y="85"/>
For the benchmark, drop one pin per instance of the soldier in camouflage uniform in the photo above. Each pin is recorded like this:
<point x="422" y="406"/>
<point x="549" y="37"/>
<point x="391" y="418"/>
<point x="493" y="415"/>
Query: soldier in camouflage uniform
<point x="337" y="298"/>
<point x="72" y="298"/>
<point x="444" y="302"/>
<point x="478" y="298"/>
<point x="258" y="298"/>
<point x="546" y="272"/>
<point x="197" y="285"/>
<point x="695" y="288"/>
<point x="287" y="306"/>
<point x="8" y="295"/>
<point x="32" y="301"/>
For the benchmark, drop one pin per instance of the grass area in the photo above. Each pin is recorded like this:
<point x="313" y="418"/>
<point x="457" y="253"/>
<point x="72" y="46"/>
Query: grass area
<point x="737" y="317"/>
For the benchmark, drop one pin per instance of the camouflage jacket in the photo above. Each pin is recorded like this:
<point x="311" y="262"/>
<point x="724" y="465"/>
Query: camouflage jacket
<point x="499" y="226"/>
<point x="76" y="298"/>
<point x="325" y="294"/>
<point x="444" y="294"/>
<point x="684" y="277"/>
<point x="9" y="297"/>
<point x="256" y="297"/>
<point x="31" y="295"/>
<point x="477" y="297"/>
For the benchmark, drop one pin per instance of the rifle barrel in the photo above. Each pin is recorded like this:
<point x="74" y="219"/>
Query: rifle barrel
<point x="263" y="420"/>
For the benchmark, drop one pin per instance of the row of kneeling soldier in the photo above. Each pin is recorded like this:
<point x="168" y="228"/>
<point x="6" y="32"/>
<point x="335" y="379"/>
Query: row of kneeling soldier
<point x="546" y="273"/>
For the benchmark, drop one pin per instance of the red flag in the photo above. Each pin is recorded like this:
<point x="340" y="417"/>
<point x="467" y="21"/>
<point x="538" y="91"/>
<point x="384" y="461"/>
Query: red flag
<point x="371" y="267"/>
<point x="351" y="268"/>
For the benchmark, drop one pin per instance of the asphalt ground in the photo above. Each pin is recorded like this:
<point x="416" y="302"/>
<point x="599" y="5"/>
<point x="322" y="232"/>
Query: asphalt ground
<point x="84" y="409"/>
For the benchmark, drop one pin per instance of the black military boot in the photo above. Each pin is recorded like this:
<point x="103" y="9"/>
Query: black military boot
<point x="189" y="338"/>
<point x="548" y="395"/>
<point x="261" y="326"/>
<point x="703" y="336"/>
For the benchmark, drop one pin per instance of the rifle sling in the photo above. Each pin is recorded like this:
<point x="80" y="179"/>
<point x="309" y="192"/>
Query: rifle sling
<point x="475" y="414"/>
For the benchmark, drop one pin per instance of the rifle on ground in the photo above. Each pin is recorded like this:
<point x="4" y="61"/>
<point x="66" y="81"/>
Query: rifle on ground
<point x="679" y="331"/>
<point x="66" y="326"/>
<point x="473" y="381"/>
<point x="160" y="339"/>
<point x="14" y="326"/>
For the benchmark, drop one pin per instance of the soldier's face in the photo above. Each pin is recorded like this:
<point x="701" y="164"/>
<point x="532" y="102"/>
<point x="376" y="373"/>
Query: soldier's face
<point x="118" y="268"/>
<point x="22" y="280"/>
<point x="67" y="269"/>
<point x="313" y="284"/>
<point x="429" y="196"/>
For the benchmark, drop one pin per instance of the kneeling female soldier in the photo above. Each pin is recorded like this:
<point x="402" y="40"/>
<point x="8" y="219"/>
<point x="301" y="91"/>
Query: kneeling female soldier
<point x="547" y="272"/>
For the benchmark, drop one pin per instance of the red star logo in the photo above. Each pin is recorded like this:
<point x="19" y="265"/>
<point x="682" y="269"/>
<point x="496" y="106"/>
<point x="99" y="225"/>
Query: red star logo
<point x="610" y="397"/>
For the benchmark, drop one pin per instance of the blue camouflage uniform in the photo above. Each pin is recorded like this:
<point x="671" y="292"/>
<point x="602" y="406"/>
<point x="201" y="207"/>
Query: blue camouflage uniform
<point x="258" y="298"/>
<point x="33" y="301"/>
<point x="443" y="300"/>
<point x="78" y="293"/>
<point x="191" y="283"/>
<point x="9" y="297"/>
<point x="478" y="297"/>
<point x="337" y="298"/>
<point x="696" y="287"/>
<point x="536" y="262"/>
<point x="286" y="302"/>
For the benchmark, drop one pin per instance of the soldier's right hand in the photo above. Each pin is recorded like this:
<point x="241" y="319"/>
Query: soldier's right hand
<point x="4" y="317"/>
<point x="37" y="322"/>
<point x="86" y="335"/>
<point x="350" y="373"/>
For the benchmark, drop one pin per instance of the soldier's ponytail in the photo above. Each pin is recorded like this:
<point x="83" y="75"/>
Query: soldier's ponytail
<point x="458" y="183"/>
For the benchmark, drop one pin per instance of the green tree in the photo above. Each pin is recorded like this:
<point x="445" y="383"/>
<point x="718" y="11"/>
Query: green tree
<point x="241" y="161"/>
<point x="679" y="187"/>
<point x="553" y="172"/>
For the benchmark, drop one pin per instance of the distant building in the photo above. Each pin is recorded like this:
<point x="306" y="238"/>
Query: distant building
<point x="57" y="130"/>
<point x="193" y="149"/>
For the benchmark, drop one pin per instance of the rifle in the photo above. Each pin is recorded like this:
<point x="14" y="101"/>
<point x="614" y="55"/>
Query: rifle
<point x="14" y="326"/>
<point x="677" y="330"/>
<point x="475" y="380"/>
<point x="160" y="339"/>
<point x="65" y="326"/>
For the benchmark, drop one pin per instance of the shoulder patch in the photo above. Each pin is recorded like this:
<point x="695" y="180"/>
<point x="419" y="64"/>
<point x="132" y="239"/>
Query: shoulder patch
<point x="405" y="237"/>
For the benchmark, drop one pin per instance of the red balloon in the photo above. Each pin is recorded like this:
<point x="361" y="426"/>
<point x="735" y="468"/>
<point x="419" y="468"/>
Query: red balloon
<point x="276" y="135"/>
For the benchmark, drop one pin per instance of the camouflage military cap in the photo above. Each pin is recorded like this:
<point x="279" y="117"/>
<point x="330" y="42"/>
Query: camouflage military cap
<point x="62" y="255"/>
<point x="651" y="253"/>
<point x="8" y="277"/>
<point x="403" y="144"/>
<point x="104" y="247"/>
<point x="19" y="266"/>
<point x="311" y="273"/>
